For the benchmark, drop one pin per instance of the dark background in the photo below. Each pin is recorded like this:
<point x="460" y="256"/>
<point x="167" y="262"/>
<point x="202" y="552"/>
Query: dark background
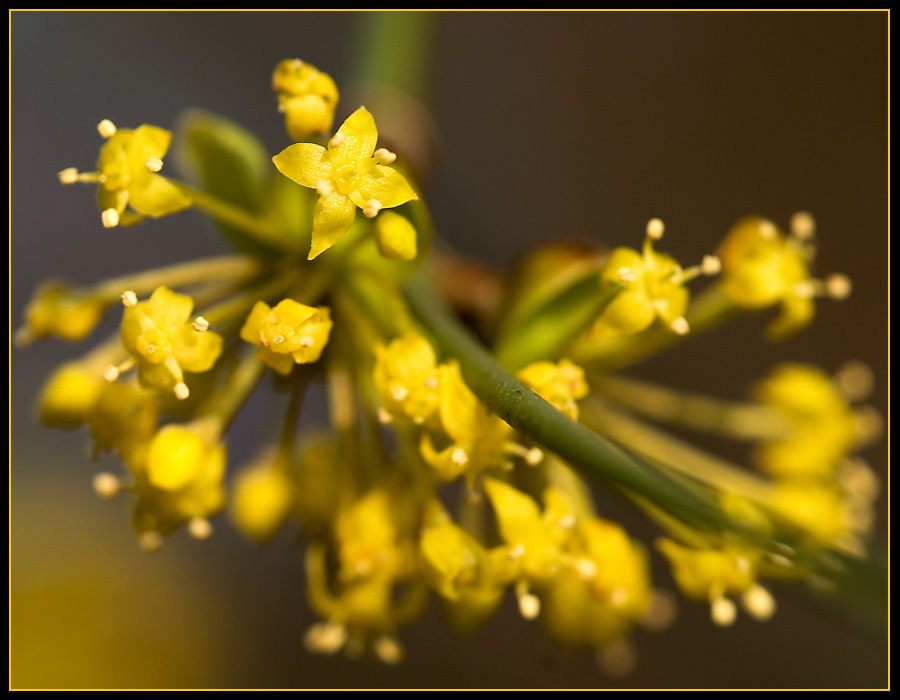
<point x="553" y="125"/>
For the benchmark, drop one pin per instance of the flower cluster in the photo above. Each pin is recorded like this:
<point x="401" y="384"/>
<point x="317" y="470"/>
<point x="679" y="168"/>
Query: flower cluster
<point x="417" y="405"/>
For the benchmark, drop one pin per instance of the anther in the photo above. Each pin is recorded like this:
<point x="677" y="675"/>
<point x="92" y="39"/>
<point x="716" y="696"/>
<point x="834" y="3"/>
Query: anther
<point x="68" y="176"/>
<point x="106" y="485"/>
<point x="325" y="638"/>
<point x="383" y="416"/>
<point x="803" y="226"/>
<point x="680" y="326"/>
<point x="307" y="341"/>
<point x="534" y="456"/>
<point x="586" y="568"/>
<point x="655" y="229"/>
<point x="767" y="230"/>
<point x="388" y="650"/>
<point x="110" y="373"/>
<point x="324" y="188"/>
<point x="182" y="391"/>
<point x="838" y="286"/>
<point x="459" y="457"/>
<point x="154" y="165"/>
<point x="150" y="541"/>
<point x="529" y="604"/>
<point x="758" y="602"/>
<point x="200" y="324"/>
<point x="723" y="612"/>
<point x="373" y="206"/>
<point x="106" y="128"/>
<point x="626" y="274"/>
<point x="200" y="528"/>
<point x="384" y="156"/>
<point x="109" y="218"/>
<point x="711" y="265"/>
<point x="129" y="298"/>
<point x="399" y="392"/>
<point x="337" y="140"/>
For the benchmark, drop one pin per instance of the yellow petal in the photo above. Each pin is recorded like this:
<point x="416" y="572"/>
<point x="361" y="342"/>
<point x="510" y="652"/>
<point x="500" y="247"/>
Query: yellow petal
<point x="157" y="196"/>
<point x="149" y="142"/>
<point x="333" y="217"/>
<point x="304" y="163"/>
<point x="252" y="328"/>
<point x="355" y="140"/>
<point x="386" y="185"/>
<point x="197" y="351"/>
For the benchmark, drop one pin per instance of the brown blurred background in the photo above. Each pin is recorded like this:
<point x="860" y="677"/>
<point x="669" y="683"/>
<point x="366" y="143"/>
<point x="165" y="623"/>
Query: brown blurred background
<point x="553" y="125"/>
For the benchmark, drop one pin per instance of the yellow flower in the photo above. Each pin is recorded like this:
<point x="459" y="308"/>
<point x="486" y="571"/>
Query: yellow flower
<point x="287" y="334"/>
<point x="262" y="498"/>
<point x="406" y="377"/>
<point x="395" y="236"/>
<point x="159" y="336"/>
<point x="560" y="384"/>
<point x="69" y="396"/>
<point x="306" y="96"/>
<point x="58" y="309"/>
<point x="128" y="167"/>
<point x="350" y="173"/>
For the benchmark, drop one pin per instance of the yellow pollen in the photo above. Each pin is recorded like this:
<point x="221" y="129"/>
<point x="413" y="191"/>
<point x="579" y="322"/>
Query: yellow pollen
<point x="759" y="602"/>
<point x="106" y="128"/>
<point x="723" y="612"/>
<point x="182" y="391"/>
<point x="110" y="373"/>
<point x="626" y="274"/>
<point x="534" y="456"/>
<point x="150" y="541"/>
<point x="109" y="218"/>
<point x="459" y="456"/>
<point x="529" y="604"/>
<point x="803" y="226"/>
<point x="200" y="528"/>
<point x="129" y="298"/>
<point x="324" y="188"/>
<point x="200" y="324"/>
<point x="384" y="156"/>
<point x="838" y="286"/>
<point x="680" y="326"/>
<point x="399" y="392"/>
<point x="373" y="206"/>
<point x="711" y="265"/>
<point x="68" y="176"/>
<point x="106" y="485"/>
<point x="325" y="638"/>
<point x="154" y="165"/>
<point x="655" y="229"/>
<point x="586" y="568"/>
<point x="383" y="416"/>
<point x="337" y="140"/>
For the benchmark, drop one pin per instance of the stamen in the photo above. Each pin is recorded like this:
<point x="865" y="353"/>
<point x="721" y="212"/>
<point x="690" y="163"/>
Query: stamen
<point x="534" y="456"/>
<point x="767" y="230"/>
<point x="200" y="324"/>
<point x="655" y="229"/>
<point x="307" y="341"/>
<point x="129" y="298"/>
<point x="373" y="206"/>
<point x="384" y="157"/>
<point x="711" y="265"/>
<point x="106" y="128"/>
<point x="723" y="612"/>
<point x="337" y="140"/>
<point x="150" y="541"/>
<point x="68" y="176"/>
<point x="325" y="638"/>
<point x="805" y="290"/>
<point x="324" y="188"/>
<point x="388" y="650"/>
<point x="626" y="274"/>
<point x="106" y="485"/>
<point x="680" y="326"/>
<point x="585" y="568"/>
<point x="383" y="416"/>
<point x="182" y="391"/>
<point x="758" y="602"/>
<point x="529" y="604"/>
<point x="838" y="286"/>
<point x="109" y="218"/>
<point x="399" y="392"/>
<point x="154" y="165"/>
<point x="803" y="225"/>
<point x="112" y="372"/>
<point x="459" y="457"/>
<point x="200" y="528"/>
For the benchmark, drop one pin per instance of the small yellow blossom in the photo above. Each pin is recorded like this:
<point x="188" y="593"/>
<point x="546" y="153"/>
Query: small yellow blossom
<point x="395" y="236"/>
<point x="262" y="498"/>
<point x="129" y="176"/>
<point x="561" y="384"/>
<point x="69" y="396"/>
<point x="307" y="97"/>
<point x="406" y="377"/>
<point x="818" y="510"/>
<point x="60" y="310"/>
<point x="822" y="427"/>
<point x="290" y="333"/>
<point x="124" y="418"/>
<point x="160" y="337"/>
<point x="348" y="174"/>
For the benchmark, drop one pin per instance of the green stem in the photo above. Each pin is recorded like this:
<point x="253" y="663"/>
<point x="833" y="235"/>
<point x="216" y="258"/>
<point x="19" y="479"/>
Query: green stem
<point x="532" y="416"/>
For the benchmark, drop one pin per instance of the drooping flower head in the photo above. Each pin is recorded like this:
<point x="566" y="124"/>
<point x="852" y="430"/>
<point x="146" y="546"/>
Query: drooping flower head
<point x="350" y="173"/>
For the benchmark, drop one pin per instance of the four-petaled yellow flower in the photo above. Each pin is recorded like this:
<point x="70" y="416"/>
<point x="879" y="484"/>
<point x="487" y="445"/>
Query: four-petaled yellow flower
<point x="289" y="333"/>
<point x="350" y="173"/>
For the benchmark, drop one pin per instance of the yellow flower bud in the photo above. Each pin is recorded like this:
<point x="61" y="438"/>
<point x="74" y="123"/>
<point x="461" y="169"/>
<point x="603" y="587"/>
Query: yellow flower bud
<point x="306" y="95"/>
<point x="287" y="334"/>
<point x="261" y="500"/>
<point x="561" y="384"/>
<point x="395" y="236"/>
<point x="406" y="377"/>
<point x="60" y="310"/>
<point x="177" y="455"/>
<point x="69" y="396"/>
